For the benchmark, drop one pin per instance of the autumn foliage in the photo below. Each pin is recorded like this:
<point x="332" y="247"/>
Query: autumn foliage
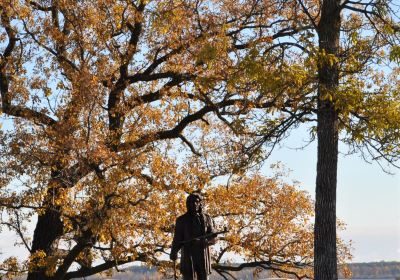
<point x="112" y="111"/>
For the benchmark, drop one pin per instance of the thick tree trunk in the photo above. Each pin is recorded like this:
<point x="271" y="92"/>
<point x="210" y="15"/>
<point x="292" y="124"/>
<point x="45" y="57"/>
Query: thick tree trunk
<point x="325" y="256"/>
<point x="49" y="228"/>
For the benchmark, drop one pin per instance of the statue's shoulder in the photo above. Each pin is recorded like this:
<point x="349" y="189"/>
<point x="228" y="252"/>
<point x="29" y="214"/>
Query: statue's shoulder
<point x="182" y="218"/>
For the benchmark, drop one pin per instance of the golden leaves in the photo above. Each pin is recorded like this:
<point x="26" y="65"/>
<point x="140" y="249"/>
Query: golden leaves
<point x="110" y="74"/>
<point x="395" y="54"/>
<point x="40" y="261"/>
<point x="11" y="268"/>
<point x="263" y="214"/>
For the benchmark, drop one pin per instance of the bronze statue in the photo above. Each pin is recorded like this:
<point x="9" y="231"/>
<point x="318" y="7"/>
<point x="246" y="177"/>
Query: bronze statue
<point x="194" y="232"/>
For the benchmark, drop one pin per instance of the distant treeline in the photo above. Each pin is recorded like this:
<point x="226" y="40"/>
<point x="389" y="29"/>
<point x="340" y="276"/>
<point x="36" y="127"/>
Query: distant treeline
<point x="359" y="270"/>
<point x="375" y="270"/>
<point x="142" y="273"/>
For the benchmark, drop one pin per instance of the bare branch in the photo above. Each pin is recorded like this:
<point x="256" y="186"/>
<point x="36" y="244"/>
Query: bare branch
<point x="190" y="145"/>
<point x="18" y="230"/>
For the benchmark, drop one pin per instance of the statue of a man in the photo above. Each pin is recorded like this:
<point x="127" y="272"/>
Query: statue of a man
<point x="195" y="254"/>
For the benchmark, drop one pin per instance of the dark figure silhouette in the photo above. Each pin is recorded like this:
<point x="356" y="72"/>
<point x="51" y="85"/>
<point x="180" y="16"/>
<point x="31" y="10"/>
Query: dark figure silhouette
<point x="195" y="254"/>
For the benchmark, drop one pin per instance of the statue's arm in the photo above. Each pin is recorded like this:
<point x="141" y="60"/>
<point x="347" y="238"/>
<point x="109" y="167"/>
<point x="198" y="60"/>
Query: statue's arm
<point x="177" y="241"/>
<point x="211" y="229"/>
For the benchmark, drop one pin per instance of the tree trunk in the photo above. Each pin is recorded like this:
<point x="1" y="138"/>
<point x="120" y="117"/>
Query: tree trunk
<point x="325" y="256"/>
<point x="49" y="228"/>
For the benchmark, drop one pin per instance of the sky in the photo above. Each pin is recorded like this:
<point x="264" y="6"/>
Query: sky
<point x="368" y="199"/>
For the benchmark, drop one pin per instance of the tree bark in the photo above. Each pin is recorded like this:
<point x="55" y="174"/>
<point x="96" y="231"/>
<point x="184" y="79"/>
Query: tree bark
<point x="49" y="228"/>
<point x="325" y="256"/>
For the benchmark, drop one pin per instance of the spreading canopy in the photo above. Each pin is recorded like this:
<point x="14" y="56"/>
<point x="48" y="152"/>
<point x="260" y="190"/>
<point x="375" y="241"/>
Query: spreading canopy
<point x="113" y="110"/>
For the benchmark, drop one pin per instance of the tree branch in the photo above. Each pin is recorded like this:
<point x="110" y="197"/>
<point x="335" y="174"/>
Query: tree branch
<point x="84" y="272"/>
<point x="156" y="95"/>
<point x="171" y="133"/>
<point x="116" y="118"/>
<point x="82" y="243"/>
<point x="190" y="145"/>
<point x="18" y="230"/>
<point x="40" y="7"/>
<point x="269" y="265"/>
<point x="158" y="61"/>
<point x="6" y="106"/>
<point x="289" y="31"/>
<point x="305" y="10"/>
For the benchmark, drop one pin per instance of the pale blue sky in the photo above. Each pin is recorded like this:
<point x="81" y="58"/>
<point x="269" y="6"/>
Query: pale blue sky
<point x="368" y="199"/>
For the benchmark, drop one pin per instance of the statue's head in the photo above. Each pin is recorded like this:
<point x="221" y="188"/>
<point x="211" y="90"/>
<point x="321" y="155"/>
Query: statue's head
<point x="194" y="203"/>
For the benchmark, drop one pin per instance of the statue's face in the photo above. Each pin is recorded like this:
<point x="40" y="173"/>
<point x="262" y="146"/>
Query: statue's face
<point x="195" y="205"/>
